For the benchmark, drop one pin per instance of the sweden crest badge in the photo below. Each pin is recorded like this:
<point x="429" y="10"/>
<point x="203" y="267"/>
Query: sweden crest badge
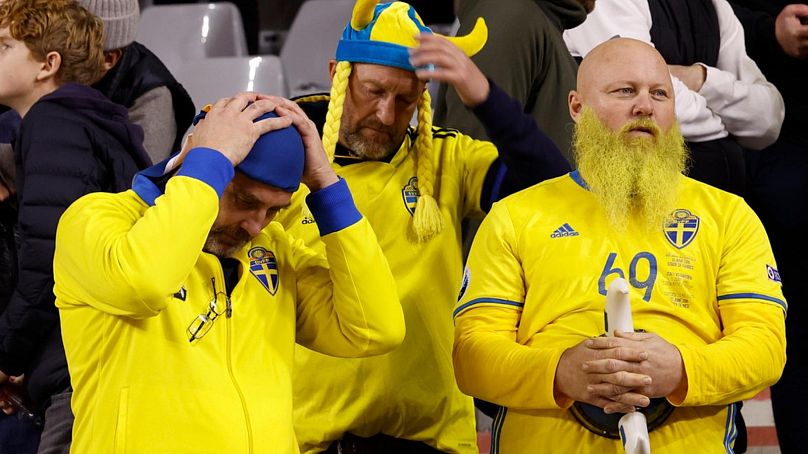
<point x="410" y="194"/>
<point x="264" y="267"/>
<point x="681" y="228"/>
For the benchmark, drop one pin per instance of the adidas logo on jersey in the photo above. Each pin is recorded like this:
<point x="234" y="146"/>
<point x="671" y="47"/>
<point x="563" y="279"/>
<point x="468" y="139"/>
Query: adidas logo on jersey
<point x="564" y="231"/>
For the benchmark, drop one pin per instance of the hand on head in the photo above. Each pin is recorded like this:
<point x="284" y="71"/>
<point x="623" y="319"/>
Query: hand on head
<point x="229" y="128"/>
<point x="443" y="61"/>
<point x="317" y="171"/>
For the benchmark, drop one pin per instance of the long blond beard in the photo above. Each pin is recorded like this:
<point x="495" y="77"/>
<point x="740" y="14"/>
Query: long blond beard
<point x="634" y="179"/>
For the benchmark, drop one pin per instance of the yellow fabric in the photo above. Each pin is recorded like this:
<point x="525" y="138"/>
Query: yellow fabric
<point x="411" y="392"/>
<point x="394" y="25"/>
<point x="140" y="386"/>
<point x="531" y="293"/>
<point x="474" y="41"/>
<point x="362" y="13"/>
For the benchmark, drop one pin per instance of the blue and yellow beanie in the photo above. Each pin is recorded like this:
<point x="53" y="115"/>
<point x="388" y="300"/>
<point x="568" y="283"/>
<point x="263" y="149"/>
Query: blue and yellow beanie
<point x="382" y="34"/>
<point x="276" y="159"/>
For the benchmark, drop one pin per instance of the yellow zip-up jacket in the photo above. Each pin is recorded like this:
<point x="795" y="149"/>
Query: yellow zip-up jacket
<point x="131" y="277"/>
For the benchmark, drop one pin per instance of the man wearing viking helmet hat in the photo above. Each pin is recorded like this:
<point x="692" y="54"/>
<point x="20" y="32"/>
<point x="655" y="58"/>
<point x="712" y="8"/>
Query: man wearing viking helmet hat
<point x="415" y="185"/>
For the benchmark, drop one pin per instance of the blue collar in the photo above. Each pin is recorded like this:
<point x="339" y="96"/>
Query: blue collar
<point x="143" y="182"/>
<point x="576" y="177"/>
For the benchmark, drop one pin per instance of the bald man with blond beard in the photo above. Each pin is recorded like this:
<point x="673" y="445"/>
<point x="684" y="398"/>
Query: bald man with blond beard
<point x="704" y="288"/>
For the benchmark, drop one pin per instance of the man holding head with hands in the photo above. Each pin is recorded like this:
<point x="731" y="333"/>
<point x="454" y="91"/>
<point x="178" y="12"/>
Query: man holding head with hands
<point x="180" y="303"/>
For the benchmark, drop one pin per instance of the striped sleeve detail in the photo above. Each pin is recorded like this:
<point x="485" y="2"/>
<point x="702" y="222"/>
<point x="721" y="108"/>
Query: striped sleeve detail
<point x="730" y="428"/>
<point x="465" y="306"/>
<point x="496" y="429"/>
<point x="754" y="296"/>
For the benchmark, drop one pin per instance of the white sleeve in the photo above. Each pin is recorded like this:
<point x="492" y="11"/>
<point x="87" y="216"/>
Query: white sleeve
<point x="750" y="107"/>
<point x="697" y="122"/>
<point x="610" y="18"/>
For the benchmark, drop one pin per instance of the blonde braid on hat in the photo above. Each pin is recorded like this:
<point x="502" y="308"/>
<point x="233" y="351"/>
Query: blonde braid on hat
<point x="427" y="221"/>
<point x="333" y="118"/>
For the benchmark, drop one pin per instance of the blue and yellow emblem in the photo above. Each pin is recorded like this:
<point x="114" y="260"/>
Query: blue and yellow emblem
<point x="681" y="228"/>
<point x="410" y="194"/>
<point x="264" y="267"/>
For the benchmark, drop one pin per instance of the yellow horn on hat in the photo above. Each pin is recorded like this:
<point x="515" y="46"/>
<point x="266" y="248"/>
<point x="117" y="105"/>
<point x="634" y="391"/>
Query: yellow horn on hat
<point x="362" y="13"/>
<point x="474" y="40"/>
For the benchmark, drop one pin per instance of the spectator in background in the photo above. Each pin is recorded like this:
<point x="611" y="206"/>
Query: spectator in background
<point x="415" y="185"/>
<point x="723" y="101"/>
<point x="704" y="291"/>
<point x="17" y="435"/>
<point x="135" y="78"/>
<point x="777" y="39"/>
<point x="9" y="126"/>
<point x="72" y="141"/>
<point x="527" y="57"/>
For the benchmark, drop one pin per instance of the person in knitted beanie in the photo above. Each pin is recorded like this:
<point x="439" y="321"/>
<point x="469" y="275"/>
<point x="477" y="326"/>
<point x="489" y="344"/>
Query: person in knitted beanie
<point x="137" y="79"/>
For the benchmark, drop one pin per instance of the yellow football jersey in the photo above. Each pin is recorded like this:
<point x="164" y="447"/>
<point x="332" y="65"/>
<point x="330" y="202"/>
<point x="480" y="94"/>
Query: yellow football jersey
<point x="410" y="393"/>
<point x="535" y="286"/>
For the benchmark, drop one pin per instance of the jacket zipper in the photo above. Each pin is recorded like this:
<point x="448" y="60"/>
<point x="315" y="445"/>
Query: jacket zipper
<point x="228" y="350"/>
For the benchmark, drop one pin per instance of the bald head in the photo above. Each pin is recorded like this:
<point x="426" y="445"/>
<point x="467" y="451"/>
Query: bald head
<point x="621" y="80"/>
<point x="620" y="55"/>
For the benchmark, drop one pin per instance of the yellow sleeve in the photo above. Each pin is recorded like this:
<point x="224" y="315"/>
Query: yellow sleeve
<point x="489" y="361"/>
<point x="121" y="256"/>
<point x="751" y="354"/>
<point x="476" y="157"/>
<point x="348" y="304"/>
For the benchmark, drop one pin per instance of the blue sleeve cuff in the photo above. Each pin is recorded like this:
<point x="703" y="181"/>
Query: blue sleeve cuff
<point x="333" y="208"/>
<point x="209" y="166"/>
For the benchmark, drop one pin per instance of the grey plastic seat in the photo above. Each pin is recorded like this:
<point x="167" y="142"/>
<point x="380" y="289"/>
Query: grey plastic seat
<point x="192" y="32"/>
<point x="312" y="42"/>
<point x="210" y="79"/>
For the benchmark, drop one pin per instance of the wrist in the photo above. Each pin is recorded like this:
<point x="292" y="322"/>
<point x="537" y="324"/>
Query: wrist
<point x="478" y="95"/>
<point x="680" y="387"/>
<point x="560" y="380"/>
<point x="333" y="207"/>
<point x="321" y="180"/>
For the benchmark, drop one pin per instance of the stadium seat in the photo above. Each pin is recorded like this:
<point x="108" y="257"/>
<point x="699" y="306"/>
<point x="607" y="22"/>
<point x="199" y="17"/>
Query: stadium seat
<point x="311" y="42"/>
<point x="192" y="32"/>
<point x="209" y="79"/>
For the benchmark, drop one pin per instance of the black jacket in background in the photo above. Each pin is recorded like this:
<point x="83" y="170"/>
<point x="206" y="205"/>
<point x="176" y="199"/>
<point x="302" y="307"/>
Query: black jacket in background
<point x="72" y="142"/>
<point x="9" y="125"/>
<point x="139" y="71"/>
<point x="788" y="74"/>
